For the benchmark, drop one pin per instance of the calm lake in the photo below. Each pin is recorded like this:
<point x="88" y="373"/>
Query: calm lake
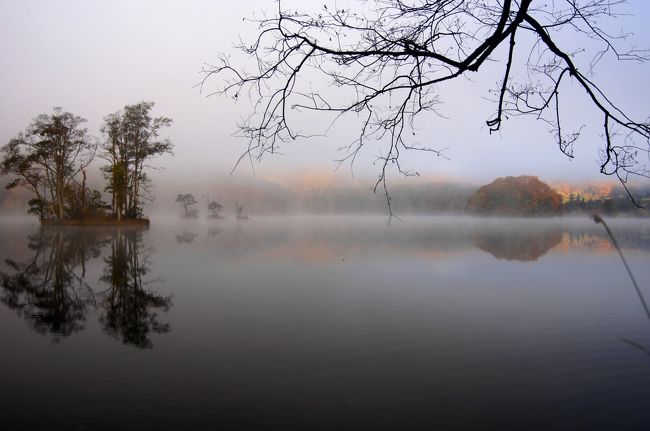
<point x="325" y="323"/>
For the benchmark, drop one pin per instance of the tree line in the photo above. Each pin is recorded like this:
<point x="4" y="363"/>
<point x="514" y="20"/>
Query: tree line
<point x="51" y="157"/>
<point x="510" y="196"/>
<point x="215" y="209"/>
<point x="526" y="195"/>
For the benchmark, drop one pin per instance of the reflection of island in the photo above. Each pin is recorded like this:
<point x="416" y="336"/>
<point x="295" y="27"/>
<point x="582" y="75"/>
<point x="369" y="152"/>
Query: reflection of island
<point x="49" y="289"/>
<point x="517" y="243"/>
<point x="130" y="309"/>
<point x="51" y="292"/>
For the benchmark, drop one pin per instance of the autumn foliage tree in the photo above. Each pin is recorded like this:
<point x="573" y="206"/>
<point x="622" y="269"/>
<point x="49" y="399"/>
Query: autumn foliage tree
<point x="515" y="196"/>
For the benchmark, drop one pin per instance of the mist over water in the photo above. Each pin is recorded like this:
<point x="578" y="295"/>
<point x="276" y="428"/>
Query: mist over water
<point x="325" y="322"/>
<point x="260" y="284"/>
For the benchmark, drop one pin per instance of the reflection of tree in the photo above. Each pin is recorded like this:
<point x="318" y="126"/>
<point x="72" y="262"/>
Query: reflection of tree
<point x="214" y="231"/>
<point x="129" y="309"/>
<point x="517" y="243"/>
<point x="186" y="237"/>
<point x="49" y="290"/>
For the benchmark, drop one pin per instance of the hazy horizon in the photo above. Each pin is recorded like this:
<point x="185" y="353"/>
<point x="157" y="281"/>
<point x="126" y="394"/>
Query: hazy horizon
<point x="93" y="58"/>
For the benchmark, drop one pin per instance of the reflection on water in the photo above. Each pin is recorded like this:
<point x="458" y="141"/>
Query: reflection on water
<point x="130" y="308"/>
<point x="636" y="345"/>
<point x="521" y="243"/>
<point x="49" y="290"/>
<point x="325" y="323"/>
<point x="214" y="231"/>
<point x="185" y="237"/>
<point x="52" y="292"/>
<point x="326" y="241"/>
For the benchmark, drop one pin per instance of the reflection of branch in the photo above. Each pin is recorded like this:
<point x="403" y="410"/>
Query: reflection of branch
<point x="598" y="219"/>
<point x="636" y="345"/>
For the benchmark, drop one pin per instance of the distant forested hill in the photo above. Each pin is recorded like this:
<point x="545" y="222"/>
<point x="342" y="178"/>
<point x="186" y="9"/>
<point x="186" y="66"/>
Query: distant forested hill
<point x="515" y="196"/>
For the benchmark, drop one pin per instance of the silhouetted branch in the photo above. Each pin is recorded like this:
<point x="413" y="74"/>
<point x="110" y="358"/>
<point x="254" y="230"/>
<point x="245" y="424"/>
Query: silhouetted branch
<point x="391" y="60"/>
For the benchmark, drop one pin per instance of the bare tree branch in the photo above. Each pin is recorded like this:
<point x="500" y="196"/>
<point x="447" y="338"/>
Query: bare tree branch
<point x="392" y="58"/>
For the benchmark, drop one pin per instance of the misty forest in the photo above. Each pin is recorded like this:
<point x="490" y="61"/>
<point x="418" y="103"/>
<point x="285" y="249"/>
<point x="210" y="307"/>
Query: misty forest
<point x="386" y="214"/>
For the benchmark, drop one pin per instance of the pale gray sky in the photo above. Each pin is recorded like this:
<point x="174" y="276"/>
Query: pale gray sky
<point x="93" y="57"/>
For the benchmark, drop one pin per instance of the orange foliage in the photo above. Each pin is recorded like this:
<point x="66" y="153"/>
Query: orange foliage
<point x="588" y="191"/>
<point x="515" y="196"/>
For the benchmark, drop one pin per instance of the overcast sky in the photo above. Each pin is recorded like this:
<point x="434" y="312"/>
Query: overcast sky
<point x="93" y="57"/>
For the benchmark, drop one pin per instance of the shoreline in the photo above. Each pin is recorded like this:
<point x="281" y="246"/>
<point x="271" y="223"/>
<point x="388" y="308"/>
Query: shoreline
<point x="140" y="222"/>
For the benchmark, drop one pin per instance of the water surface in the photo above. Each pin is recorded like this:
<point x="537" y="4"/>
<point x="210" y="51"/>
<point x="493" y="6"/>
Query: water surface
<point x="325" y="323"/>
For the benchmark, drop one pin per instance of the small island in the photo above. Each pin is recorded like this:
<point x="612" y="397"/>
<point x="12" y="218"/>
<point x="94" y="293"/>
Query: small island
<point x="52" y="156"/>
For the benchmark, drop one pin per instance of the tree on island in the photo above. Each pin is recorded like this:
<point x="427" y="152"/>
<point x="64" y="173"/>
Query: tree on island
<point x="215" y="209"/>
<point x="239" y="212"/>
<point x="50" y="159"/>
<point x="392" y="60"/>
<point x="186" y="201"/>
<point x="47" y="159"/>
<point x="515" y="196"/>
<point x="132" y="141"/>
